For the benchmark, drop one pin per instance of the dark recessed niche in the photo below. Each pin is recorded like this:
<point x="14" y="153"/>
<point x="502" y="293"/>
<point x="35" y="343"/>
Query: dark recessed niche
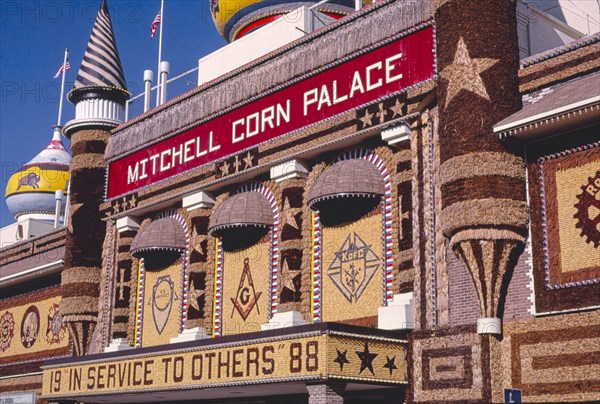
<point x="337" y="211"/>
<point x="239" y="238"/>
<point x="159" y="259"/>
<point x="32" y="285"/>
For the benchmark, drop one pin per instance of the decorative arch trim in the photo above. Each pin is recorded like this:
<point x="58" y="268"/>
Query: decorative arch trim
<point x="387" y="238"/>
<point x="185" y="279"/>
<point x="274" y="270"/>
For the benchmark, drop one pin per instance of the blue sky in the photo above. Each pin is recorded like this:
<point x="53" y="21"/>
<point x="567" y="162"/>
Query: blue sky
<point x="33" y="37"/>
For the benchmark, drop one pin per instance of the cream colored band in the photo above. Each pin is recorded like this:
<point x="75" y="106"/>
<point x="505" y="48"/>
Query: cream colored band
<point x="485" y="234"/>
<point x="485" y="212"/>
<point x="81" y="275"/>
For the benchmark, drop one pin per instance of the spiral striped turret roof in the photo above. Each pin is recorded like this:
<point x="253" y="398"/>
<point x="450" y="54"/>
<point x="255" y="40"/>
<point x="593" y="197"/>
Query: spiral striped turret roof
<point x="101" y="71"/>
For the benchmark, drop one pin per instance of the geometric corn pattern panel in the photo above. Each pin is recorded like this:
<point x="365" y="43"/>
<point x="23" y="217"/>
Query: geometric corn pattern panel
<point x="565" y="206"/>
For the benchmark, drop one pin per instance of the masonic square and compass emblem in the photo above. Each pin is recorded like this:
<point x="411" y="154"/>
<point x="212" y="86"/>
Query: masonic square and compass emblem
<point x="163" y="294"/>
<point x="353" y="267"/>
<point x="246" y="297"/>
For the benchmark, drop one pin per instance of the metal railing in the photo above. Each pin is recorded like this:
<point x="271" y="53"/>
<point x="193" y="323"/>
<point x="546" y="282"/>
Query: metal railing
<point x="147" y="93"/>
<point x="161" y="97"/>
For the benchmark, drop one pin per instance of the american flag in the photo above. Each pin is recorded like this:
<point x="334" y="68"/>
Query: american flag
<point x="63" y="68"/>
<point x="155" y="25"/>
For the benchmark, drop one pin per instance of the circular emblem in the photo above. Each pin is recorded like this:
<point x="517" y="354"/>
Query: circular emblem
<point x="164" y="294"/>
<point x="588" y="211"/>
<point x="7" y="330"/>
<point x="30" y="327"/>
<point x="162" y="301"/>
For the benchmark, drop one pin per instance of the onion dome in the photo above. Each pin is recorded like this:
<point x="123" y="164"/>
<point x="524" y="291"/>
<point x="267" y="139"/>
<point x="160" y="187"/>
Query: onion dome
<point x="160" y="243"/>
<point x="235" y="19"/>
<point x="247" y="209"/>
<point x="164" y="234"/>
<point x="352" y="178"/>
<point x="30" y="192"/>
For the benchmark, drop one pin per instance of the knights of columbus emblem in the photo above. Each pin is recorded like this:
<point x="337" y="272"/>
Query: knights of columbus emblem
<point x="246" y="297"/>
<point x="353" y="267"/>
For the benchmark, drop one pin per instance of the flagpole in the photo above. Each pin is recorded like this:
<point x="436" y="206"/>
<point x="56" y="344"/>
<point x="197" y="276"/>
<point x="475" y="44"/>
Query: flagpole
<point x="162" y="20"/>
<point x="62" y="87"/>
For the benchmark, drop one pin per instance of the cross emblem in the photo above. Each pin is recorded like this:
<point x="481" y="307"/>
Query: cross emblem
<point x="237" y="163"/>
<point x="121" y="284"/>
<point x="404" y="214"/>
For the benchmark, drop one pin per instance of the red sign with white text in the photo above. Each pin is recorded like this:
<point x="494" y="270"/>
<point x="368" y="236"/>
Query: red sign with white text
<point x="380" y="72"/>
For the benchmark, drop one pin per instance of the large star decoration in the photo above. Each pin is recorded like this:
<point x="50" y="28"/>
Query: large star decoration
<point x="341" y="358"/>
<point x="193" y="296"/>
<point x="390" y="364"/>
<point x="197" y="242"/>
<point x="288" y="276"/>
<point x="366" y="359"/>
<point x="290" y="214"/>
<point x="464" y="73"/>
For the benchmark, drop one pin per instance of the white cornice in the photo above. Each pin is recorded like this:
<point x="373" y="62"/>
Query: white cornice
<point x="31" y="273"/>
<point x="522" y="126"/>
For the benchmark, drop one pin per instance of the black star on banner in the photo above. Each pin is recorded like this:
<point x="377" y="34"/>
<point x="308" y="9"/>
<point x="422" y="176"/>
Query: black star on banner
<point x="366" y="359"/>
<point x="390" y="364"/>
<point x="341" y="358"/>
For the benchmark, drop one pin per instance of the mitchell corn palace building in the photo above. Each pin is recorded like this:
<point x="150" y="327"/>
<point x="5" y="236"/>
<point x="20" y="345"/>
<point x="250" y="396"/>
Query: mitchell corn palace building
<point x="399" y="203"/>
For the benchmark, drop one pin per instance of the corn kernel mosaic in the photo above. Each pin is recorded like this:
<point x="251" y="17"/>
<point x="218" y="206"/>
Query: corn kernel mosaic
<point x="317" y="356"/>
<point x="572" y="190"/>
<point x="31" y="326"/>
<point x="246" y="275"/>
<point x="352" y="268"/>
<point x="565" y="203"/>
<point x="162" y="301"/>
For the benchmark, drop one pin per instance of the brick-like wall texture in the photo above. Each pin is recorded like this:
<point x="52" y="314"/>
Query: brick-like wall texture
<point x="464" y="307"/>
<point x="326" y="393"/>
<point x="518" y="304"/>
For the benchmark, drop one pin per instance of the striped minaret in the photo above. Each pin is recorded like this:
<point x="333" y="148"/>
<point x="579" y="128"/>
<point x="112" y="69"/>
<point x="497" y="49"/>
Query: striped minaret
<point x="100" y="91"/>
<point x="484" y="206"/>
<point x="101" y="65"/>
<point x="99" y="96"/>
